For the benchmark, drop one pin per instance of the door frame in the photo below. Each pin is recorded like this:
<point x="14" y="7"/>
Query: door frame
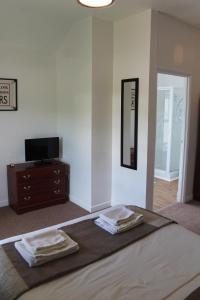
<point x="181" y="194"/>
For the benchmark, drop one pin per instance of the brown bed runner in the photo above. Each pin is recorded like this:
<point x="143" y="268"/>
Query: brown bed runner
<point x="94" y="244"/>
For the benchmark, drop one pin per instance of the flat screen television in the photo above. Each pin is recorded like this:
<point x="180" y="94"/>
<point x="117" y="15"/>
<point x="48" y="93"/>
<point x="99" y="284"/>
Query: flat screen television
<point x="41" y="149"/>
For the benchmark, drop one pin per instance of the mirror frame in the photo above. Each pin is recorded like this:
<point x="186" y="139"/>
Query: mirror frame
<point x="136" y="80"/>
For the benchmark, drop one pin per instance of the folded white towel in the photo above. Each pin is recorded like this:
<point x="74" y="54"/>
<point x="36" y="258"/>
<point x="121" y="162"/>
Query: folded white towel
<point x="38" y="243"/>
<point x="36" y="260"/>
<point x="117" y="215"/>
<point x="113" y="229"/>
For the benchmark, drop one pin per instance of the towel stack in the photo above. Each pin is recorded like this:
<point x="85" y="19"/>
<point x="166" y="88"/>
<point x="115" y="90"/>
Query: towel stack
<point x="118" y="219"/>
<point x="40" y="248"/>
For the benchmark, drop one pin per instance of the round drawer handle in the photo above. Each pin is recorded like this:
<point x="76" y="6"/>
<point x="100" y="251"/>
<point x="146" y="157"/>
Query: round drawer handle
<point x="56" y="192"/>
<point x="27" y="176"/>
<point x="57" y="172"/>
<point x="27" y="198"/>
<point x="27" y="188"/>
<point x="57" y="181"/>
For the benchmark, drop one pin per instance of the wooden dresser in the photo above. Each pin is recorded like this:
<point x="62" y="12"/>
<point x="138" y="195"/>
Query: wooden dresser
<point x="33" y="186"/>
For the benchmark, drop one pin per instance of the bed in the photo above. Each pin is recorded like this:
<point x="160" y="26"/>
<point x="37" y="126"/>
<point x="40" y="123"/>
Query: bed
<point x="163" y="265"/>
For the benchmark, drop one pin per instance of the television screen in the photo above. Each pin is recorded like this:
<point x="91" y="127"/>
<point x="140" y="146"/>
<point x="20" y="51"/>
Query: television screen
<point x="41" y="149"/>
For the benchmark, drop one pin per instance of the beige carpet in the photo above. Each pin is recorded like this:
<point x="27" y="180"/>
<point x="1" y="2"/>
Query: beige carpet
<point x="12" y="224"/>
<point x="187" y="215"/>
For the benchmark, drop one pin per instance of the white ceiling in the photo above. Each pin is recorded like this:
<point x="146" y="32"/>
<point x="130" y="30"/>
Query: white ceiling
<point x="45" y="22"/>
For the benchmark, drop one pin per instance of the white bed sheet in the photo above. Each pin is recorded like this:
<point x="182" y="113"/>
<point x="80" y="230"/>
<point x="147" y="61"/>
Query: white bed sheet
<point x="164" y="265"/>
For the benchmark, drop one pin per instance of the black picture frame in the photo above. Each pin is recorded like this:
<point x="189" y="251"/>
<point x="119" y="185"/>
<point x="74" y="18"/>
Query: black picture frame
<point x="134" y="155"/>
<point x="8" y="94"/>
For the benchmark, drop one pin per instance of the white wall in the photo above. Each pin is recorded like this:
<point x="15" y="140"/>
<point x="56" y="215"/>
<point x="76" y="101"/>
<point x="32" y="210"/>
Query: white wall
<point x="70" y="95"/>
<point x="102" y="78"/>
<point x="36" y="115"/>
<point x="131" y="59"/>
<point x="84" y="91"/>
<point x="143" y="43"/>
<point x="177" y="46"/>
<point x="74" y="96"/>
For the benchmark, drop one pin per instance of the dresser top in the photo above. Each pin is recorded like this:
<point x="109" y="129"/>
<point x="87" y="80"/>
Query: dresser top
<point x="30" y="165"/>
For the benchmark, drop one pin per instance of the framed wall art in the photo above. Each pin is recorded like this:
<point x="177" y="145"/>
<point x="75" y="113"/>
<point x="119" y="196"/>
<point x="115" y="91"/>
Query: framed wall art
<point x="8" y="94"/>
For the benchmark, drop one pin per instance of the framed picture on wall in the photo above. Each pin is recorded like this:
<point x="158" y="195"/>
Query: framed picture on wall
<point x="8" y="94"/>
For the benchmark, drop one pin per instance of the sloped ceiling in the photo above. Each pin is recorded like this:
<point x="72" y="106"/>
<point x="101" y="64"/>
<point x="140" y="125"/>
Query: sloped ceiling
<point x="45" y="22"/>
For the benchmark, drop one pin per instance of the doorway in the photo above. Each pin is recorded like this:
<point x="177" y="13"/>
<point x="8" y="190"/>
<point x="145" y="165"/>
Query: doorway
<point x="172" y="91"/>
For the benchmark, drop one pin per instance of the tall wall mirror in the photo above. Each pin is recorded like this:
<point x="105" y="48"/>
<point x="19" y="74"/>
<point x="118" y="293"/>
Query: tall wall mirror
<point x="129" y="122"/>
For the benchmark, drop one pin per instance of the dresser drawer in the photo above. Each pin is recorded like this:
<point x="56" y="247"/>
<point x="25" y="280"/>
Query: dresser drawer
<point x="30" y="198"/>
<point x="35" y="189"/>
<point x="41" y="185"/>
<point x="36" y="175"/>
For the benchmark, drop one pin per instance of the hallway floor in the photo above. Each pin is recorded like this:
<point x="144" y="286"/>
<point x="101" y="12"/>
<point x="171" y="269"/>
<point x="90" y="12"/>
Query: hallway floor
<point x="164" y="193"/>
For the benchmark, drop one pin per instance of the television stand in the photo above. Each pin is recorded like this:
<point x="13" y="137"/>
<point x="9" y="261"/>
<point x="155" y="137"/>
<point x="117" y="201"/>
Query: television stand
<point x="32" y="186"/>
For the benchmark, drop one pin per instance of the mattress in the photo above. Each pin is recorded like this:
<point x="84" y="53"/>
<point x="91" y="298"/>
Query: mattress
<point x="163" y="265"/>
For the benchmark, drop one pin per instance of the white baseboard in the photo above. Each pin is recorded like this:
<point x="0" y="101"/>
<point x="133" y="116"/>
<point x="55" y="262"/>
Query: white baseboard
<point x="167" y="176"/>
<point x="80" y="203"/>
<point x="87" y="207"/>
<point x="3" y="203"/>
<point x="100" y="206"/>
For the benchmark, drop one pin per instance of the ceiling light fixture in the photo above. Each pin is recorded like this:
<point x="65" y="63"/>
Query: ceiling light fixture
<point x="95" y="3"/>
